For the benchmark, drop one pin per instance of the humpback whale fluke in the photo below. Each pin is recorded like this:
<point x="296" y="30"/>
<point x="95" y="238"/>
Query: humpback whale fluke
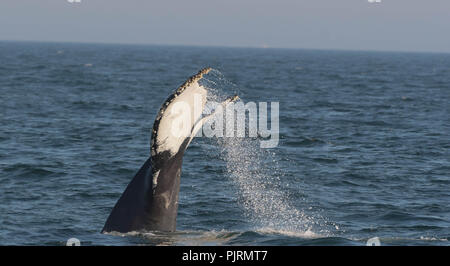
<point x="150" y="201"/>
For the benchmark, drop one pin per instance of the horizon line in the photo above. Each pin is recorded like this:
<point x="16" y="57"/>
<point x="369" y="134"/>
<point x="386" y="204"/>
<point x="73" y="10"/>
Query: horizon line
<point x="228" y="46"/>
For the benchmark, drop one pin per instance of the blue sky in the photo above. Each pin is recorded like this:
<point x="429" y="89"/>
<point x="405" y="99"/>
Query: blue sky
<point x="397" y="25"/>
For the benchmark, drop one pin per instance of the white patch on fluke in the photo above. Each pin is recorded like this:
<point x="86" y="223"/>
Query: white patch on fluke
<point x="155" y="179"/>
<point x="179" y="117"/>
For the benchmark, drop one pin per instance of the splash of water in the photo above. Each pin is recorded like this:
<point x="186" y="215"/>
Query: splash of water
<point x="265" y="204"/>
<point x="257" y="176"/>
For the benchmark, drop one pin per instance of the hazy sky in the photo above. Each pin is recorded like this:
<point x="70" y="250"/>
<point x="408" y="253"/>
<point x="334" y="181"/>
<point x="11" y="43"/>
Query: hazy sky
<point x="404" y="25"/>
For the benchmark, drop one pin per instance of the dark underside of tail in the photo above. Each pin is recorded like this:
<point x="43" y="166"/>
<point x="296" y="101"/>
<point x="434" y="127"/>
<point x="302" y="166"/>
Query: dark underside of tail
<point x="129" y="212"/>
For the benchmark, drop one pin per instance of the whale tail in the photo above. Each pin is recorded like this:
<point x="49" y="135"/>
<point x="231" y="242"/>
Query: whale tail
<point x="150" y="201"/>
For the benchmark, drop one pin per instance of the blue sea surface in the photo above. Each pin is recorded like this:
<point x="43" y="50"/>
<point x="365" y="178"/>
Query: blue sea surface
<point x="364" y="146"/>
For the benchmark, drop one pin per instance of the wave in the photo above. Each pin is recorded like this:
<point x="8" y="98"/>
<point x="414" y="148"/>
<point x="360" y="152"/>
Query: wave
<point x="308" y="234"/>
<point x="219" y="237"/>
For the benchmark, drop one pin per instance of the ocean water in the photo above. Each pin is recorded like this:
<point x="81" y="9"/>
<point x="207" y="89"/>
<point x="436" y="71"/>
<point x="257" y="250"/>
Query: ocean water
<point x="364" y="145"/>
